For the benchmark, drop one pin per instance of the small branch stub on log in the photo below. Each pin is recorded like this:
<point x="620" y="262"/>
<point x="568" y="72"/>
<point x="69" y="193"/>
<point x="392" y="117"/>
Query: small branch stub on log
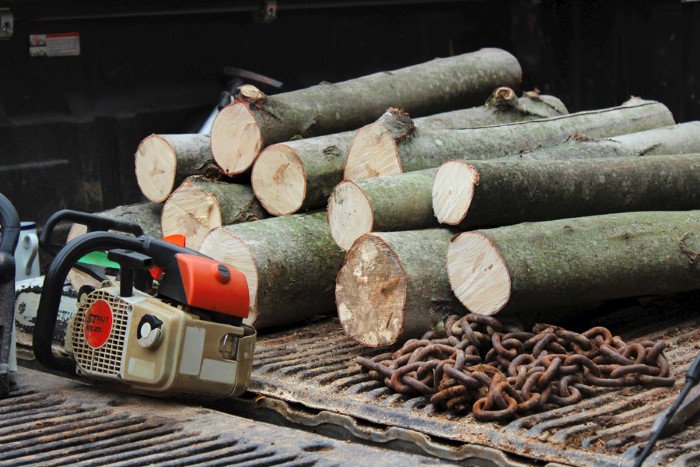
<point x="381" y="154"/>
<point x="290" y="264"/>
<point x="242" y="129"/>
<point x="546" y="269"/>
<point x="394" y="286"/>
<point x="164" y="161"/>
<point x="200" y="205"/>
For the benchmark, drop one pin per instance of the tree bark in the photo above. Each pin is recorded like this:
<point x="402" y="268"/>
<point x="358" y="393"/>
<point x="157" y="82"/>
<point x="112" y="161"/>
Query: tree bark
<point x="164" y="161"/>
<point x="672" y="139"/>
<point x="396" y="152"/>
<point x="381" y="204"/>
<point x="300" y="175"/>
<point x="393" y="286"/>
<point x="255" y="121"/>
<point x="290" y="264"/>
<point x="546" y="269"/>
<point x="200" y="205"/>
<point x="497" y="193"/>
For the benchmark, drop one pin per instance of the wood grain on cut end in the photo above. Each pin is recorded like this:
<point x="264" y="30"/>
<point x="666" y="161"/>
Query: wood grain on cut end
<point x="373" y="153"/>
<point x="371" y="293"/>
<point x="236" y="139"/>
<point x="453" y="191"/>
<point x="478" y="275"/>
<point x="225" y="247"/>
<point x="192" y="212"/>
<point x="156" y="164"/>
<point x="350" y="214"/>
<point x="279" y="180"/>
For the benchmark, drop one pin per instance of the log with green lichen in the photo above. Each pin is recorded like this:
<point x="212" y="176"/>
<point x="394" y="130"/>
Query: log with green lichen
<point x="200" y="205"/>
<point x="299" y="175"/>
<point x="547" y="269"/>
<point x="254" y="121"/>
<point x="393" y="286"/>
<point x="503" y="192"/>
<point x="405" y="151"/>
<point x="164" y="161"/>
<point x="290" y="264"/>
<point x="381" y="204"/>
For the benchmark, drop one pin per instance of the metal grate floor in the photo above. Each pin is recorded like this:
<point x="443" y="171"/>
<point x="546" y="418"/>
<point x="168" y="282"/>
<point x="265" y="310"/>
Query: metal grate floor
<point x="49" y="420"/>
<point x="308" y="377"/>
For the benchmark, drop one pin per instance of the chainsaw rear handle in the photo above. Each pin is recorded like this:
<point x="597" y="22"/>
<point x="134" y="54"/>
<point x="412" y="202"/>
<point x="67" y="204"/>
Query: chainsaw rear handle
<point x="94" y="222"/>
<point x="162" y="252"/>
<point x="9" y="220"/>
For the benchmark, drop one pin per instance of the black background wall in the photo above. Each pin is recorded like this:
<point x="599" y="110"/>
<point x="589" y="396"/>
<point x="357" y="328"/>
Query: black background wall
<point x="69" y="126"/>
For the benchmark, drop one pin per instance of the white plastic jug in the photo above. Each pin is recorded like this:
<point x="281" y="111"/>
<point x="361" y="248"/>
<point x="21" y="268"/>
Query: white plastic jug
<point x="27" y="252"/>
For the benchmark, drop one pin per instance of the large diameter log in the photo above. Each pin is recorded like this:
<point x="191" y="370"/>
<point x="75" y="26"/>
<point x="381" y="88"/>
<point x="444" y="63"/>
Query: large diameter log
<point x="299" y="175"/>
<point x="399" y="202"/>
<point x="290" y="264"/>
<point x="556" y="266"/>
<point x="672" y="139"/>
<point x="200" y="205"/>
<point x="241" y="130"/>
<point x="393" y="286"/>
<point x="497" y="193"/>
<point x="394" y="152"/>
<point x="164" y="161"/>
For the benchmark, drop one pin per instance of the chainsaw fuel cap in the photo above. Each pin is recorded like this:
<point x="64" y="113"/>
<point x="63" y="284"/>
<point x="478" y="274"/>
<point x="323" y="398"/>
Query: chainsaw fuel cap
<point x="149" y="332"/>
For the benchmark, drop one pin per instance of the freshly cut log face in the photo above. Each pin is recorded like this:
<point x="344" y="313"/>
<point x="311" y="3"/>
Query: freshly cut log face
<point x="350" y="214"/>
<point x="241" y="130"/>
<point x="236" y="138"/>
<point x="453" y="191"/>
<point x="192" y="212"/>
<point x="155" y="168"/>
<point x="393" y="286"/>
<point x="546" y="270"/>
<point x="164" y="161"/>
<point x="290" y="264"/>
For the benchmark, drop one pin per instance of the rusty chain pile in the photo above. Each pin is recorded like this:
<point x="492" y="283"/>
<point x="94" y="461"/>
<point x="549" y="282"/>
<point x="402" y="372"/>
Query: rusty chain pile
<point x="498" y="371"/>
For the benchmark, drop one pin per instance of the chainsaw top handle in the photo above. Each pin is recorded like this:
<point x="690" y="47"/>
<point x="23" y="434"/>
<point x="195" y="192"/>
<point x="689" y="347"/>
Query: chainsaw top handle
<point x="93" y="222"/>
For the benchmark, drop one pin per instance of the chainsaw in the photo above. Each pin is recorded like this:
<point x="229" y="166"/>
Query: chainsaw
<point x="170" y="326"/>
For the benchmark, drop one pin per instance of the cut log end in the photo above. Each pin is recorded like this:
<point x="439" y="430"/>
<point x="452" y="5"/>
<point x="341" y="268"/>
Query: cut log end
<point x="223" y="246"/>
<point x="156" y="165"/>
<point x="279" y="180"/>
<point x="192" y="212"/>
<point x="478" y="275"/>
<point x="371" y="293"/>
<point x="350" y="214"/>
<point x="373" y="153"/>
<point x="453" y="191"/>
<point x="236" y="139"/>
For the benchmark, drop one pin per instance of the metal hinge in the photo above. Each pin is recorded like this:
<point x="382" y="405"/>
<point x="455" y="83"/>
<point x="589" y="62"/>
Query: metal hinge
<point x="7" y="23"/>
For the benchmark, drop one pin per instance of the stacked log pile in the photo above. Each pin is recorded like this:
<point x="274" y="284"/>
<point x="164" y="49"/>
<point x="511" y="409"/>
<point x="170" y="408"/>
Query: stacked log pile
<point x="401" y="193"/>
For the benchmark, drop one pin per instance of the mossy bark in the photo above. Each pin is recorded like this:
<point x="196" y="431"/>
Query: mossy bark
<point x="672" y="139"/>
<point x="427" y="149"/>
<point x="435" y="86"/>
<point x="147" y="215"/>
<point x="296" y="262"/>
<point x="394" y="286"/>
<point x="510" y="192"/>
<point x="556" y="266"/>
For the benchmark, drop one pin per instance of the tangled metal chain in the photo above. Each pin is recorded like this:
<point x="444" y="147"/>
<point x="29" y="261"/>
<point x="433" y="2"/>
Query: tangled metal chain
<point x="498" y="371"/>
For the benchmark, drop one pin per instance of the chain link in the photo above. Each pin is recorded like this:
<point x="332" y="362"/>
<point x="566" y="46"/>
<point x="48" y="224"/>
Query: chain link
<point x="498" y="371"/>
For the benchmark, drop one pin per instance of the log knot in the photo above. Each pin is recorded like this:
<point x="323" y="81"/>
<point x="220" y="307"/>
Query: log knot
<point x="580" y="137"/>
<point x="503" y="98"/>
<point x="693" y="256"/>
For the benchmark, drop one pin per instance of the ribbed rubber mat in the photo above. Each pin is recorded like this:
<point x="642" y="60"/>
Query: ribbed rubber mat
<point x="314" y="368"/>
<point x="49" y="421"/>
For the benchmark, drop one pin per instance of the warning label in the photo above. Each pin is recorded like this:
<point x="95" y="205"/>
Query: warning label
<point x="98" y="324"/>
<point x="54" y="45"/>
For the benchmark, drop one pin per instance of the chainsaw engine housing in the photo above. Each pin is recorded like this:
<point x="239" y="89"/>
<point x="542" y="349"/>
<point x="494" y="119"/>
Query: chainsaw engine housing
<point x="156" y="348"/>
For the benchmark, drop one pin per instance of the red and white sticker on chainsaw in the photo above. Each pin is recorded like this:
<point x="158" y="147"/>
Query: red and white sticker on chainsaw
<point x="98" y="324"/>
<point x="54" y="45"/>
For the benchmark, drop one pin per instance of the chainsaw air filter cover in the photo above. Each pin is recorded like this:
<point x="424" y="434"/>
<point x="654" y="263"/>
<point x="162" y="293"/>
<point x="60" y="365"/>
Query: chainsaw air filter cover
<point x="157" y="348"/>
